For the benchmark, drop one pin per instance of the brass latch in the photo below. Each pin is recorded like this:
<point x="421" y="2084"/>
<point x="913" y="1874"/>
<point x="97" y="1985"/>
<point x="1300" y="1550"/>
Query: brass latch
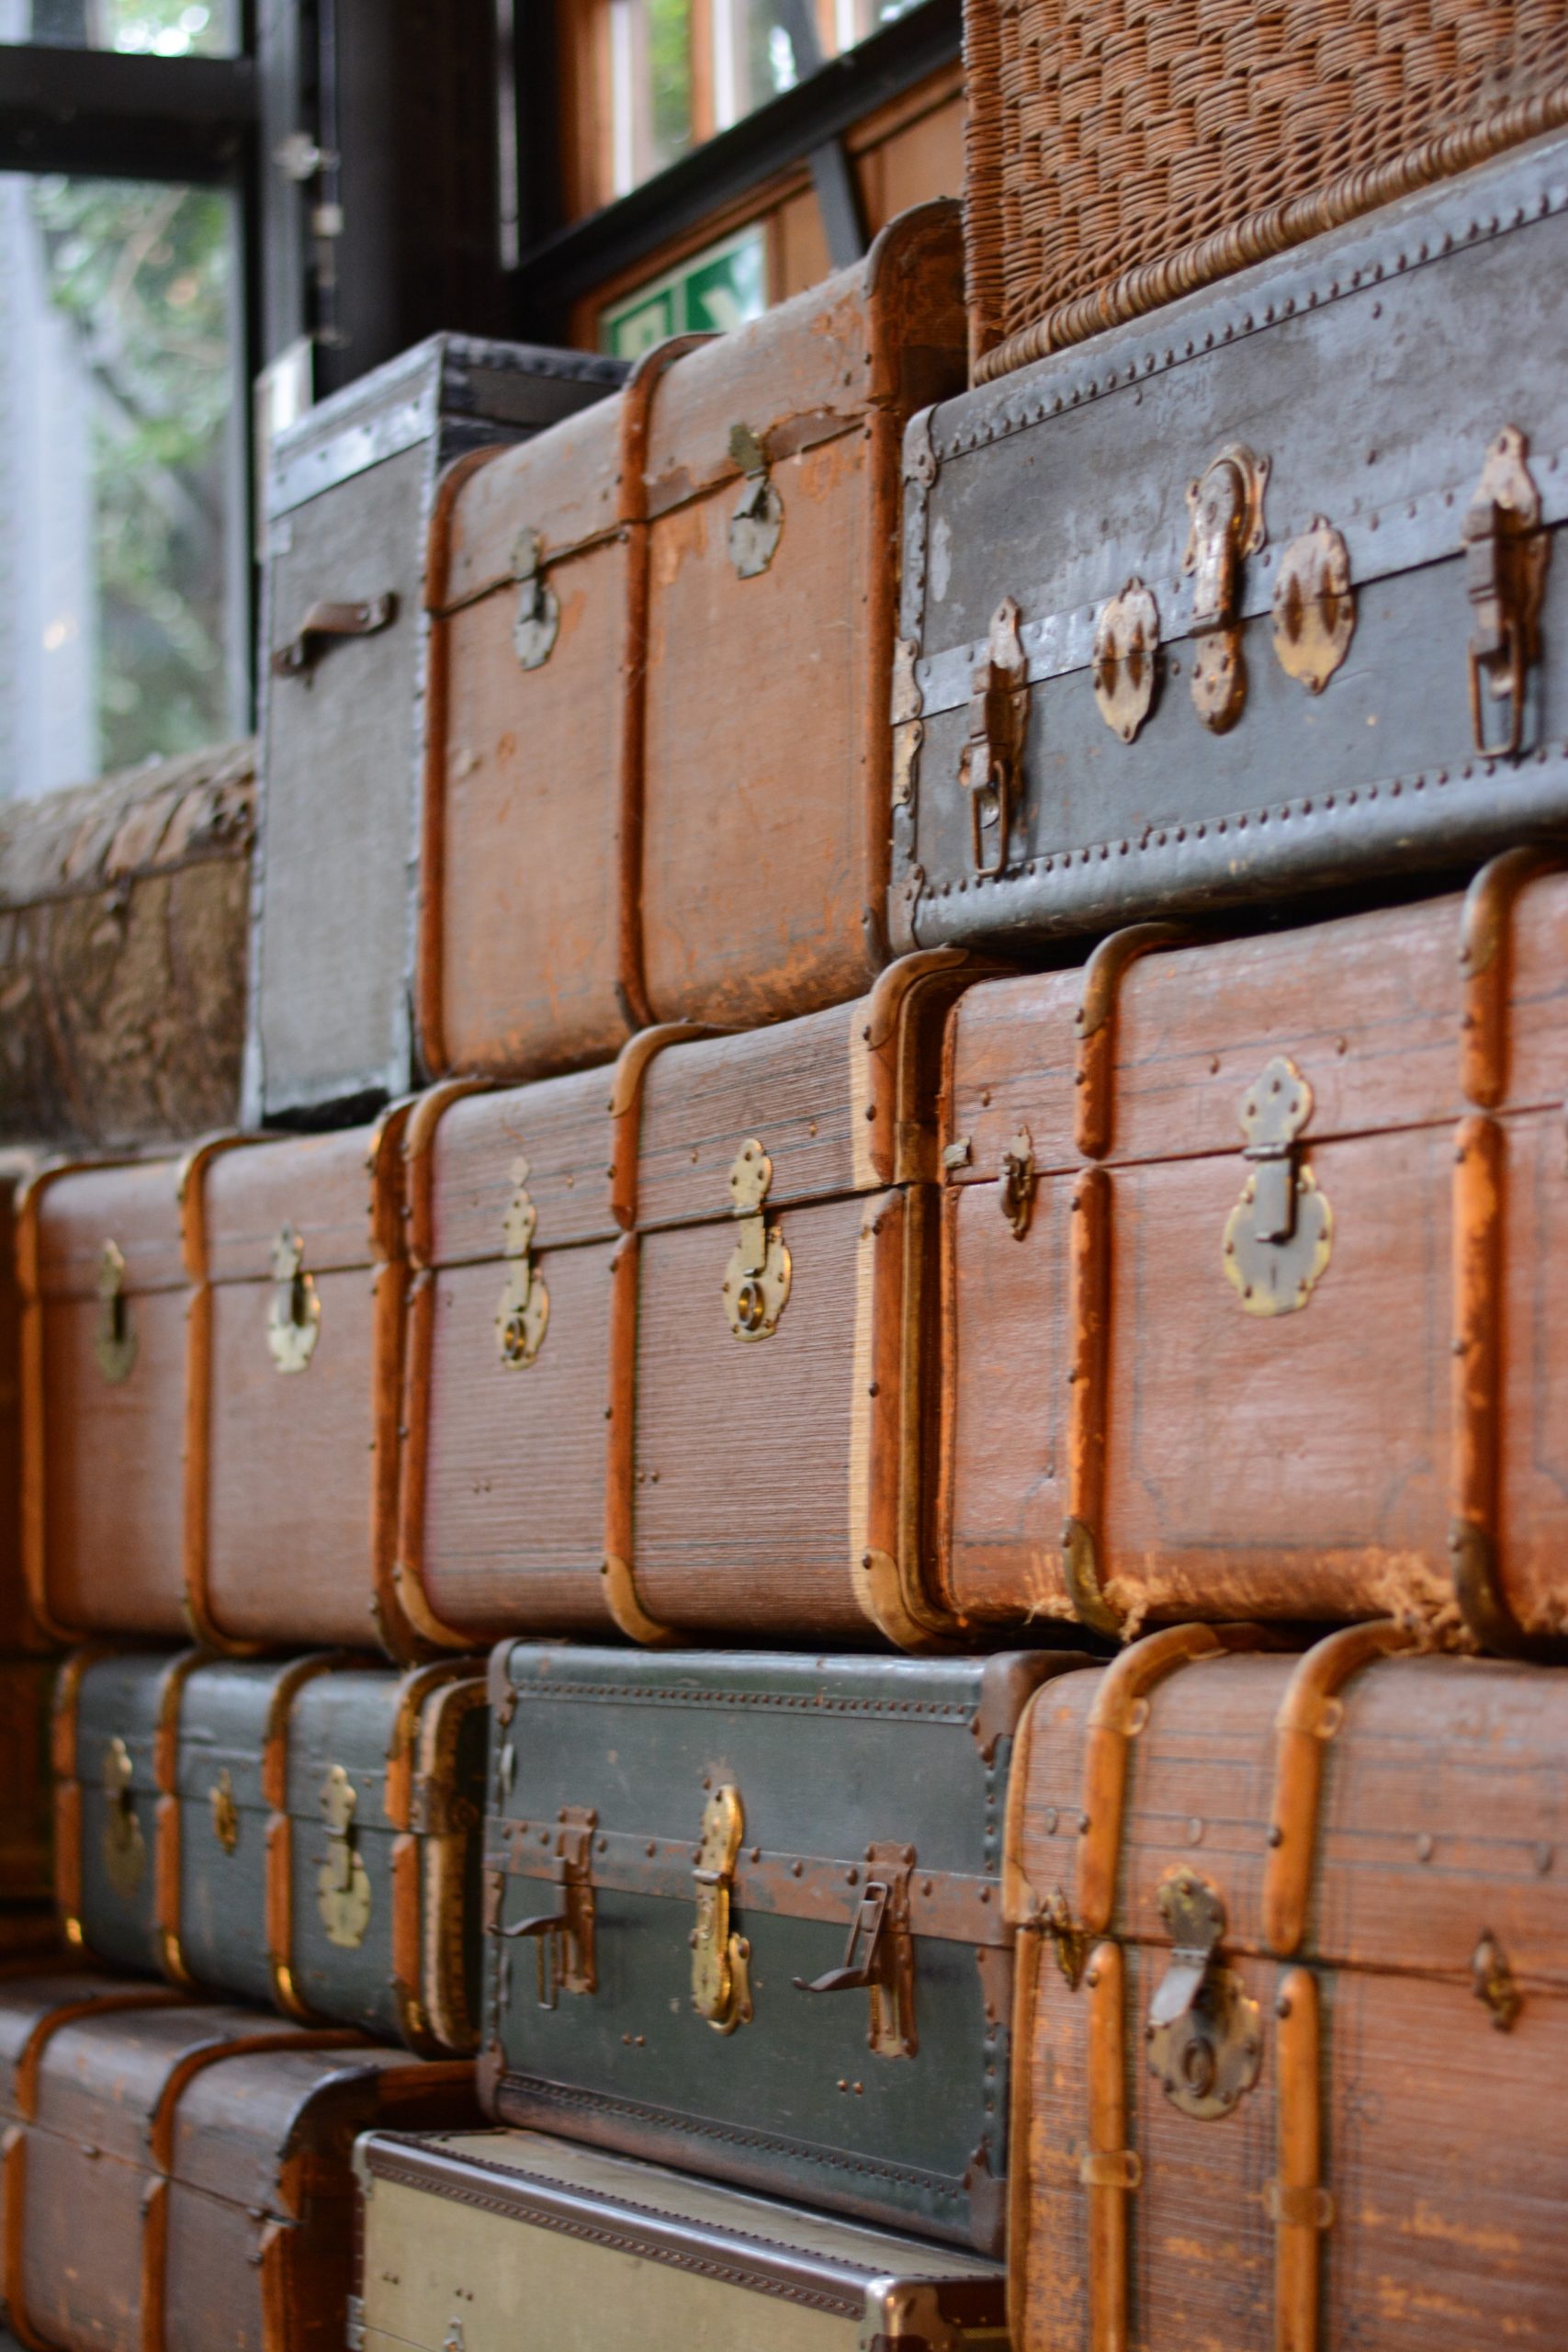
<point x="537" y="624"/>
<point x="879" y="1958"/>
<point x="124" y="1847"/>
<point x="988" y="764"/>
<point x="1125" y="661"/>
<point x="115" y="1343"/>
<point x="342" y="1882"/>
<point x="524" y="1310"/>
<point x="1315" y="606"/>
<point x="563" y="1939"/>
<point x="757" y="1279"/>
<point x="324" y="624"/>
<point x="721" y="1981"/>
<point x="758" y="520"/>
<point x="293" y="1318"/>
<point x="1204" y="2038"/>
<point x="1280" y="1234"/>
<point x="1506" y="553"/>
<point x="1494" y="1982"/>
<point x="1226" y="503"/>
<point x="1019" y="1181"/>
<point x="225" y="1812"/>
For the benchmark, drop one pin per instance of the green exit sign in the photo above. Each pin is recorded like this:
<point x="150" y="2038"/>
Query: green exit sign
<point x="716" y="289"/>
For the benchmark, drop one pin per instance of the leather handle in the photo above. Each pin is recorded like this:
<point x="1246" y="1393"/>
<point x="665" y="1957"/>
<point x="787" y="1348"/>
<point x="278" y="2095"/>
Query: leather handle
<point x="324" y="624"/>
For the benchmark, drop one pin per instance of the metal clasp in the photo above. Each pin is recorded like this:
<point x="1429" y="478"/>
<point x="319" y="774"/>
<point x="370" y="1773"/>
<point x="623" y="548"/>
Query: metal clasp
<point x="564" y="1950"/>
<point x="757" y="1279"/>
<point x="987" y="766"/>
<point x="721" y="1977"/>
<point x="115" y="1343"/>
<point x="342" y="1882"/>
<point x="1019" y="1181"/>
<point x="537" y="625"/>
<point x="524" y="1314"/>
<point x="124" y="1847"/>
<point x="758" y="521"/>
<point x="1226" y="503"/>
<point x="1506" y="553"/>
<point x="225" y="1812"/>
<point x="880" y="1955"/>
<point x="293" y="1318"/>
<point x="1125" y="661"/>
<point x="324" y="624"/>
<point x="1280" y="1234"/>
<point x="1204" y="2039"/>
<point x="1315" y="606"/>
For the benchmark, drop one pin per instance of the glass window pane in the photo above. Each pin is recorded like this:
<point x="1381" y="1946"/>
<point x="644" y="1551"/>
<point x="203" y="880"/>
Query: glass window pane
<point x="123" y="598"/>
<point x="138" y="27"/>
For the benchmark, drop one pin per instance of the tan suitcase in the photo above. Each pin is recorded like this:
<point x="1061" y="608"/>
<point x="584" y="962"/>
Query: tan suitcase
<point x="661" y="647"/>
<point x="295" y="1250"/>
<point x="1255" y="1276"/>
<point x="1291" y="2045"/>
<point x="518" y="2239"/>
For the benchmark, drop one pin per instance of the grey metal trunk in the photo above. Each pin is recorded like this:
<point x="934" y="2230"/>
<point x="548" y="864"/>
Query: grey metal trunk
<point x="677" y="1850"/>
<point x="343" y="682"/>
<point x="1259" y="727"/>
<point x="112" y="1708"/>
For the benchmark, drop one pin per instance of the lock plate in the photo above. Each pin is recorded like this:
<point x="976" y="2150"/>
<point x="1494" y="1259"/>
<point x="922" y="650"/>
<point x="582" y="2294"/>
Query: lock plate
<point x="1226" y="505"/>
<point x="757" y="523"/>
<point x="524" y="1314"/>
<point x="225" y="1813"/>
<point x="294" y="1317"/>
<point x="1279" y="1236"/>
<point x="537" y="625"/>
<point x="1125" y="661"/>
<point x="721" y="1985"/>
<point x="1315" y="606"/>
<point x="757" y="1279"/>
<point x="1204" y="2032"/>
<point x="988" y="764"/>
<point x="1018" y="1182"/>
<point x="1507" y="554"/>
<point x="342" y="1882"/>
<point x="114" y="1343"/>
<point x="124" y="1847"/>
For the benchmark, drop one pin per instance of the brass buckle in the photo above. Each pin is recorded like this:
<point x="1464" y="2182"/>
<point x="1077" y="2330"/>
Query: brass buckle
<point x="1019" y="1181"/>
<point x="524" y="1314"/>
<point x="721" y="1978"/>
<point x="115" y="1341"/>
<point x="1204" y="2038"/>
<point x="757" y="1279"/>
<point x="565" y="1958"/>
<point x="124" y="1847"/>
<point x="537" y="625"/>
<point x="1280" y="1232"/>
<point x="879" y="1957"/>
<point x="1506" y="553"/>
<point x="987" y="766"/>
<point x="294" y="1317"/>
<point x="342" y="1882"/>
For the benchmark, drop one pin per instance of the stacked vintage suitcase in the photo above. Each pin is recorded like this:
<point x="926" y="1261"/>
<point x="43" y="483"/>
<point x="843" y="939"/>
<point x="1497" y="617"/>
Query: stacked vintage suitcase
<point x="967" y="1304"/>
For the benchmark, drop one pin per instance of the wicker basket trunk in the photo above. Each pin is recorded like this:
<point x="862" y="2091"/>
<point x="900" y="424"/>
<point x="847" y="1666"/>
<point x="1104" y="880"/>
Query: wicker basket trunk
<point x="1123" y="153"/>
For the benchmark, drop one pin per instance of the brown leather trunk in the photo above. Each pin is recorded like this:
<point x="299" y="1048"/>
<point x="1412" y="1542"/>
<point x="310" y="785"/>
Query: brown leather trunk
<point x="1256" y="1272"/>
<point x="660" y="644"/>
<point x="1291" y="2043"/>
<point x="207" y="2149"/>
<point x="511" y="1237"/>
<point x="104" y="1301"/>
<point x="295" y="1253"/>
<point x="771" y="1315"/>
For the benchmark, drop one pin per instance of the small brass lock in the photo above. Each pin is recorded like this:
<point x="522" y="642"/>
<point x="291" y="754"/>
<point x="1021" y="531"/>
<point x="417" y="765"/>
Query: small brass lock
<point x="115" y="1343"/>
<point x="1204" y="2032"/>
<point x="524" y="1314"/>
<point x="225" y="1812"/>
<point x="124" y="1847"/>
<point x="757" y="1279"/>
<point x="721" y="1980"/>
<point x="1315" y="606"/>
<point x="756" y="524"/>
<point x="1226" y="503"/>
<point x="1280" y="1232"/>
<point x="1125" y="661"/>
<point x="1019" y="1181"/>
<point x="294" y="1317"/>
<point x="342" y="1882"/>
<point x="993" y="751"/>
<point x="537" y="625"/>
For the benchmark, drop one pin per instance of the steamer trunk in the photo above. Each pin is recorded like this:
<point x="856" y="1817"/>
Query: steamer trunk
<point x="554" y="2248"/>
<point x="1346" y="1861"/>
<point x="512" y="1237"/>
<point x="116" y="1721"/>
<point x="343" y="664"/>
<point x="103" y="1313"/>
<point x="1205" y="628"/>
<point x="658" y="781"/>
<point x="295" y="1255"/>
<point x="672" y="1839"/>
<point x="211" y="2148"/>
<point x="1274" y="1326"/>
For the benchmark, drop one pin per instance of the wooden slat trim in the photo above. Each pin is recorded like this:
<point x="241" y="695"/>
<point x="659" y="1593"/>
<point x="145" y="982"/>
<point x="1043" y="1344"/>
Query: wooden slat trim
<point x="1485" y="939"/>
<point x="626" y="1107"/>
<point x="420" y="1138"/>
<point x="1299" y="2205"/>
<point x="1094" y="1100"/>
<point x="1109" y="2170"/>
<point x="1089" y="1324"/>
<point x="620" y="1452"/>
<point x="1310" y="1716"/>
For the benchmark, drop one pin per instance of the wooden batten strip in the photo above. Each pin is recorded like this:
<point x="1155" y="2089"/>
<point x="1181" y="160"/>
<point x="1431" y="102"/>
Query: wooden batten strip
<point x="1486" y="966"/>
<point x="1299" y="2205"/>
<point x="1089" y="1322"/>
<point x="197" y="1604"/>
<point x="620" y="1452"/>
<point x="1094" y="1100"/>
<point x="1109" y="2170"/>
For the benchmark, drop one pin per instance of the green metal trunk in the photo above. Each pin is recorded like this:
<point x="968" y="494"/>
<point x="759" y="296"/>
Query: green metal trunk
<point x="114" y="1714"/>
<point x="743" y="1915"/>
